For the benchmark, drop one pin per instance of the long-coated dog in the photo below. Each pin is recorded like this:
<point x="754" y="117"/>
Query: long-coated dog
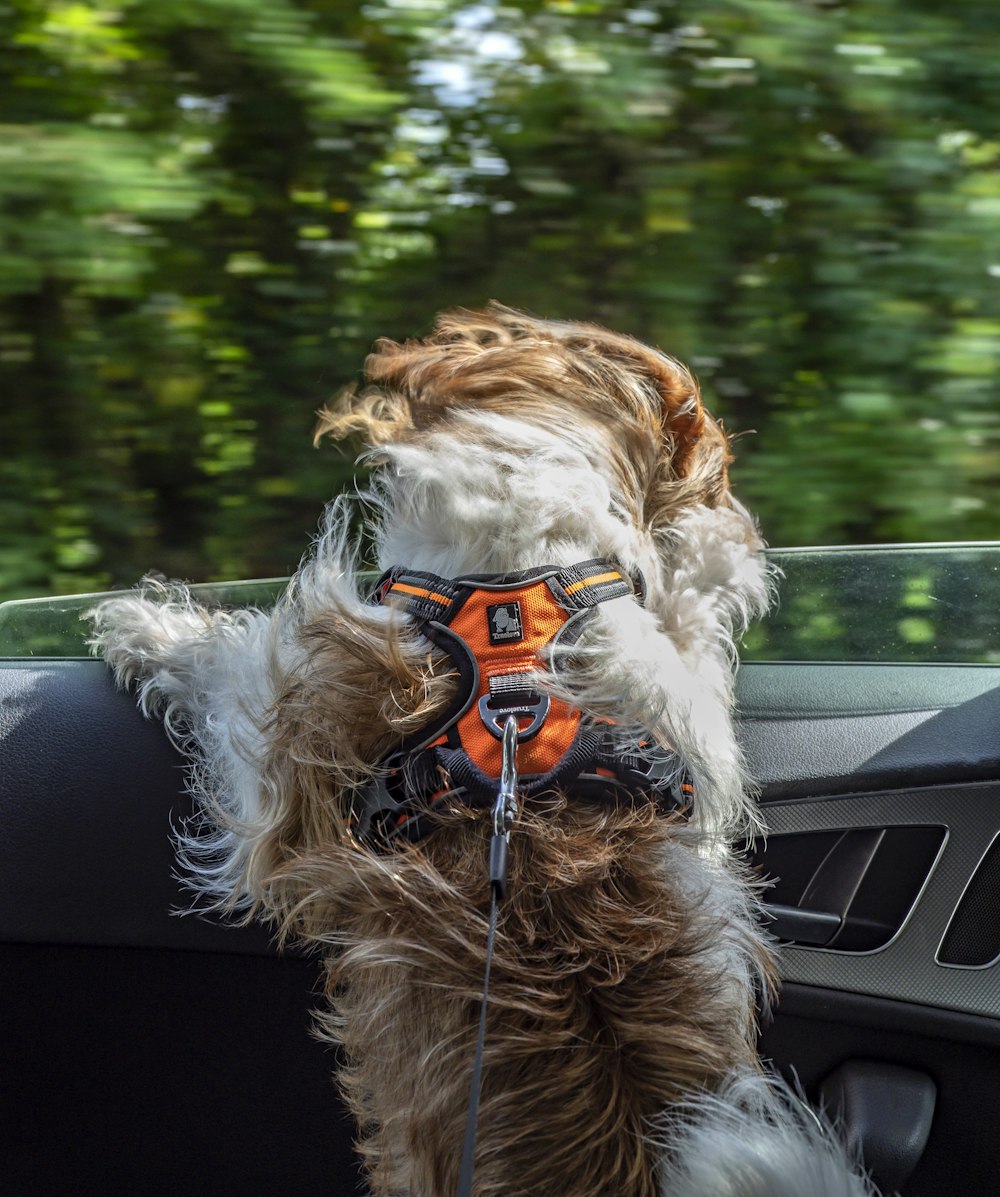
<point x="552" y="511"/>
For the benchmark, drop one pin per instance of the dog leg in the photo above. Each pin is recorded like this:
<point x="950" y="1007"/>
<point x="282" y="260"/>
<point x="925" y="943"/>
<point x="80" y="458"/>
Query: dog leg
<point x="208" y="674"/>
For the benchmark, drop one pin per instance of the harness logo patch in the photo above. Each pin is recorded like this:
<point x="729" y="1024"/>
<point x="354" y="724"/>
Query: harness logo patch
<point x="504" y="621"/>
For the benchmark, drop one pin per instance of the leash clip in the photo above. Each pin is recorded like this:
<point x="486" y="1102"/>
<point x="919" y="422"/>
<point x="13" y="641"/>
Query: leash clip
<point x="504" y="809"/>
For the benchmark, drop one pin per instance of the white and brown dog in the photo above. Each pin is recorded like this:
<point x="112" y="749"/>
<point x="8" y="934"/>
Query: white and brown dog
<point x="553" y="514"/>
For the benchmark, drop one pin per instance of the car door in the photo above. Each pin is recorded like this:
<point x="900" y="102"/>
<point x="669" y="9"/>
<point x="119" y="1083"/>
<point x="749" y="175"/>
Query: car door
<point x="870" y="715"/>
<point x="141" y="1051"/>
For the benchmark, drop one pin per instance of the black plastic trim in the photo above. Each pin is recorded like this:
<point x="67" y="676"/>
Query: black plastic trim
<point x="863" y="1010"/>
<point x="824" y="730"/>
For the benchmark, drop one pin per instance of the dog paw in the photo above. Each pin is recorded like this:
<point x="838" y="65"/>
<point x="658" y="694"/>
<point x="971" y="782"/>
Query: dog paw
<point x="138" y="634"/>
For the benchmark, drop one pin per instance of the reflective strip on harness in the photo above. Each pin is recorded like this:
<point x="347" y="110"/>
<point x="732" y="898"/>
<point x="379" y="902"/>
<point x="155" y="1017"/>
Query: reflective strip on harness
<point x="611" y="576"/>
<point x="402" y="588"/>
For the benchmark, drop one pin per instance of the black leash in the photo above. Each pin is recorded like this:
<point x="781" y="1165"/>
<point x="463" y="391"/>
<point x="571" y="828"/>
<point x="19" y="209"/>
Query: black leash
<point x="504" y="811"/>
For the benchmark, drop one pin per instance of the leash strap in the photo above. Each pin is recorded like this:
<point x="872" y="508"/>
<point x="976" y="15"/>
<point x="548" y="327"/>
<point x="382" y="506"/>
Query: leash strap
<point x="472" y="1118"/>
<point x="504" y="812"/>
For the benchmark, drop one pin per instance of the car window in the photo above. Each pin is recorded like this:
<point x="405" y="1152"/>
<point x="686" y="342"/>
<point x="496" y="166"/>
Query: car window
<point x="921" y="604"/>
<point x="925" y="604"/>
<point x="55" y="627"/>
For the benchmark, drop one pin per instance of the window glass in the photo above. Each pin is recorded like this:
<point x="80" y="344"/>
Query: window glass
<point x="904" y="603"/>
<point x="55" y="627"/>
<point x="900" y="603"/>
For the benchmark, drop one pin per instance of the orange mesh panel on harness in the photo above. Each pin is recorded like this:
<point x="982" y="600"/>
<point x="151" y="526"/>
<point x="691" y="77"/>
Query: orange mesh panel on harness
<point x="501" y="631"/>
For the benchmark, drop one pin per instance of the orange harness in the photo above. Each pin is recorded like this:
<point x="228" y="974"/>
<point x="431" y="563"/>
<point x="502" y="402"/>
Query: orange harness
<point x="499" y="631"/>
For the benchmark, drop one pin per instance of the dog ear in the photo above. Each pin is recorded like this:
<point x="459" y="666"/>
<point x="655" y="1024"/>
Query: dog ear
<point x="675" y="454"/>
<point x="375" y="416"/>
<point x="694" y="449"/>
<point x="713" y="580"/>
<point x="409" y="384"/>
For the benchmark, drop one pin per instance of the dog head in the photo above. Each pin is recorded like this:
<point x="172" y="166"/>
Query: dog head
<point x="503" y="442"/>
<point x="507" y="441"/>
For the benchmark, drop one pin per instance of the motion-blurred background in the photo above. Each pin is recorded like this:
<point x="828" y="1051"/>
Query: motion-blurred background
<point x="210" y="208"/>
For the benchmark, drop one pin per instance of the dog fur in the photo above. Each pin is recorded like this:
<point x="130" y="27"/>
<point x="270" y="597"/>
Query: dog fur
<point x="620" y="1056"/>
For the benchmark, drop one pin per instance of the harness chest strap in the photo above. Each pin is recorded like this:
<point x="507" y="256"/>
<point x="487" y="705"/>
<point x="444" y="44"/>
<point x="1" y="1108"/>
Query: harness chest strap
<point x="499" y="631"/>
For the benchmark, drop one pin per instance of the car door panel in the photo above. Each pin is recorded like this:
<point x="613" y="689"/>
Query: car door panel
<point x="817" y="730"/>
<point x="141" y="1052"/>
<point x="836" y="747"/>
<point x="198" y="1017"/>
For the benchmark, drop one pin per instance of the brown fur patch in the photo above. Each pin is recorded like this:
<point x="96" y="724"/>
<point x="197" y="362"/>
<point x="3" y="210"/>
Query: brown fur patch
<point x="606" y="1002"/>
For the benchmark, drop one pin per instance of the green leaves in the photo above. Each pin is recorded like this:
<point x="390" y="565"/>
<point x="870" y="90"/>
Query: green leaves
<point x="76" y="204"/>
<point x="210" y="208"/>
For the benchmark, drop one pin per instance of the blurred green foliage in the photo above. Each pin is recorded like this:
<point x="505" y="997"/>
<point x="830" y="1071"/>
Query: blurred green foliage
<point x="210" y="208"/>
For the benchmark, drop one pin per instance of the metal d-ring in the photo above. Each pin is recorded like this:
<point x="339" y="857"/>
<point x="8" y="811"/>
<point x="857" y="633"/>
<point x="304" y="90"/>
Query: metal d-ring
<point x="535" y="709"/>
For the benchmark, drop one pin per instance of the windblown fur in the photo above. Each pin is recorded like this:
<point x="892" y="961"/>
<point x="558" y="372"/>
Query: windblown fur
<point x="620" y="1051"/>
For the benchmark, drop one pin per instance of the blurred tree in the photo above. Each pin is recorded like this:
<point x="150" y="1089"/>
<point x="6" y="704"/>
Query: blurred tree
<point x="176" y="181"/>
<point x="209" y="208"/>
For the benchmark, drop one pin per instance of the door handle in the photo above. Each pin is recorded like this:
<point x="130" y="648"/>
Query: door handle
<point x="851" y="889"/>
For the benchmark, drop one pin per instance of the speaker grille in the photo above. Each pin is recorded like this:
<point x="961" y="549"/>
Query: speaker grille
<point x="973" y="936"/>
